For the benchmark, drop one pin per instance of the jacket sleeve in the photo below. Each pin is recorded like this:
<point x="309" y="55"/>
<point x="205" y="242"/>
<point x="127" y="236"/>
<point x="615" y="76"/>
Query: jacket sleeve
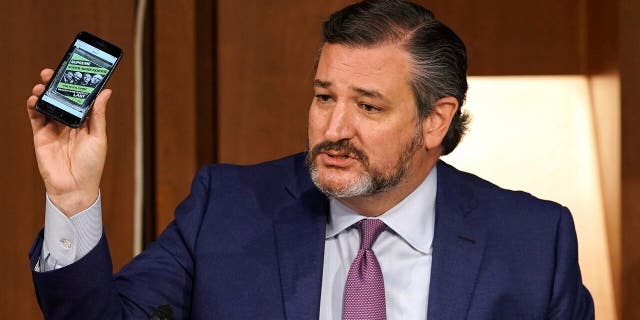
<point x="570" y="299"/>
<point x="161" y="274"/>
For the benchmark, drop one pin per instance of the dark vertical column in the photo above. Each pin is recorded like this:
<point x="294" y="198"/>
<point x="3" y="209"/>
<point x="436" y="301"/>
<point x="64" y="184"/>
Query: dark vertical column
<point x="149" y="127"/>
<point x="206" y="85"/>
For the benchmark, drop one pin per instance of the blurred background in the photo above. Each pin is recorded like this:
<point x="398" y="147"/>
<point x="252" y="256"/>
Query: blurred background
<point x="553" y="87"/>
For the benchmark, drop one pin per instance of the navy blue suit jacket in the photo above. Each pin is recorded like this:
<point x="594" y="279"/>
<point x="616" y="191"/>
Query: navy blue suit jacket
<point x="248" y="243"/>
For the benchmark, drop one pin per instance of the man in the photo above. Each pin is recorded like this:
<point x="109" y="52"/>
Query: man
<point x="86" y="79"/>
<point x="369" y="224"/>
<point x="96" y="79"/>
<point x="67" y="77"/>
<point x="77" y="77"/>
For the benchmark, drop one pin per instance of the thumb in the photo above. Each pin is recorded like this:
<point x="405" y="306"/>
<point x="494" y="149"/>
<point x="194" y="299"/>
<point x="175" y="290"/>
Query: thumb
<point x="98" y="120"/>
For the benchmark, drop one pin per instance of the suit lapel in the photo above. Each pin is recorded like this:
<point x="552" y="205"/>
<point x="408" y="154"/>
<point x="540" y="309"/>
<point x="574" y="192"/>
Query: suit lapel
<point x="458" y="246"/>
<point x="300" y="231"/>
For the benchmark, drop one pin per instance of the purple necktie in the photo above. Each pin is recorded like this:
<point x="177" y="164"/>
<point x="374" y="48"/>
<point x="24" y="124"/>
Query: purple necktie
<point x="364" y="291"/>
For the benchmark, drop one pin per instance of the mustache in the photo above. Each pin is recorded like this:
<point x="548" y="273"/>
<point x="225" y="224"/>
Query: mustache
<point x="342" y="146"/>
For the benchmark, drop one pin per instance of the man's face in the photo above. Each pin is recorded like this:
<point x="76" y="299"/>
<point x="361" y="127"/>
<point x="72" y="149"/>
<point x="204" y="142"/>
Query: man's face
<point x="365" y="135"/>
<point x="87" y="78"/>
<point x="77" y="76"/>
<point x="95" y="79"/>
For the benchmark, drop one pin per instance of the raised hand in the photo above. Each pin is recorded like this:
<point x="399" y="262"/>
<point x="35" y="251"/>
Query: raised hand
<point x="70" y="160"/>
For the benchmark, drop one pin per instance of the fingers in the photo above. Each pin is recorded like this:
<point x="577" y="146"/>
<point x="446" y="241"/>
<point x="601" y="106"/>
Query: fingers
<point x="38" y="120"/>
<point x="97" y="121"/>
<point x="38" y="89"/>
<point x="46" y="75"/>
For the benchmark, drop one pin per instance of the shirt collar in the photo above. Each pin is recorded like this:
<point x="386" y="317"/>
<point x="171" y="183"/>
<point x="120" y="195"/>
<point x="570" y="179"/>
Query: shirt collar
<point x="412" y="219"/>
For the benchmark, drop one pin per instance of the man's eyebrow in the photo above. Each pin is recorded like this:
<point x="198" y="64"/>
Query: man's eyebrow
<point x="365" y="92"/>
<point x="321" y="84"/>
<point x="368" y="93"/>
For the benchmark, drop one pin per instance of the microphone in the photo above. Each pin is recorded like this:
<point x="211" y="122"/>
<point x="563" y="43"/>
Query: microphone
<point x="162" y="312"/>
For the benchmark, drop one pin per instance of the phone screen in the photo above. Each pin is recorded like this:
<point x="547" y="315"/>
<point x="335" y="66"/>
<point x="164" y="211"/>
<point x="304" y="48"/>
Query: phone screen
<point x="79" y="78"/>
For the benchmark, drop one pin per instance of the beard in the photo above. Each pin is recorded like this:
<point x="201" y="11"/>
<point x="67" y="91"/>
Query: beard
<point x="371" y="180"/>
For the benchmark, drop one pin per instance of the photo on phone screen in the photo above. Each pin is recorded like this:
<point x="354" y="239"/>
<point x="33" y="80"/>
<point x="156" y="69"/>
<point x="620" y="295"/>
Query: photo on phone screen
<point x="79" y="78"/>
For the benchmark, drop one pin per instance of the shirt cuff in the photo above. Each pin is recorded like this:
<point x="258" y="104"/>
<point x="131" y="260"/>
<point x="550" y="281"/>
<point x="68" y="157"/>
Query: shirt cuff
<point x="67" y="240"/>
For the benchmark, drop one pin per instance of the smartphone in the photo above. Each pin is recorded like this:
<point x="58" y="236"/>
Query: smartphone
<point x="79" y="78"/>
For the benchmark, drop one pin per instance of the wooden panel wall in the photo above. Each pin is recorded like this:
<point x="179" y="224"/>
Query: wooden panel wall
<point x="265" y="70"/>
<point x="175" y="104"/>
<point x="518" y="37"/>
<point x="630" y="116"/>
<point x="35" y="35"/>
<point x="183" y="94"/>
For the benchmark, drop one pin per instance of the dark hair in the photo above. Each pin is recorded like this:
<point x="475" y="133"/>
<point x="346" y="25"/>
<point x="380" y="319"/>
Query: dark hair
<point x="439" y="58"/>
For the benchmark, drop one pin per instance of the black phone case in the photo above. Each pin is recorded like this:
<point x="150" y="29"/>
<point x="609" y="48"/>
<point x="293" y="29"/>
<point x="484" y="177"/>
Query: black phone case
<point x="62" y="116"/>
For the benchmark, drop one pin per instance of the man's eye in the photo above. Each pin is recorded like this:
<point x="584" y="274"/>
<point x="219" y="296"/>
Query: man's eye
<point x="323" y="97"/>
<point x="369" y="108"/>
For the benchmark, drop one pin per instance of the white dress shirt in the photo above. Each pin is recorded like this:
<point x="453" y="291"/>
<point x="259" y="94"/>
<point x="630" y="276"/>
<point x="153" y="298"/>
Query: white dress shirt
<point x="67" y="240"/>
<point x="403" y="251"/>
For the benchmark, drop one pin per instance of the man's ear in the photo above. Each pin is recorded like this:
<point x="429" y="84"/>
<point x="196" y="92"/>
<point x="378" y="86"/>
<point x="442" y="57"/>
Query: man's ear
<point x="436" y="124"/>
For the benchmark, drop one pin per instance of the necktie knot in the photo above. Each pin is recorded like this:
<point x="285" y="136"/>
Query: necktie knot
<point x="370" y="229"/>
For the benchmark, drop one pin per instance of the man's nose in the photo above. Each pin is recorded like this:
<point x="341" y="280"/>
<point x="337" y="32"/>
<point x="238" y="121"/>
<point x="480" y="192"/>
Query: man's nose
<point x="340" y="124"/>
